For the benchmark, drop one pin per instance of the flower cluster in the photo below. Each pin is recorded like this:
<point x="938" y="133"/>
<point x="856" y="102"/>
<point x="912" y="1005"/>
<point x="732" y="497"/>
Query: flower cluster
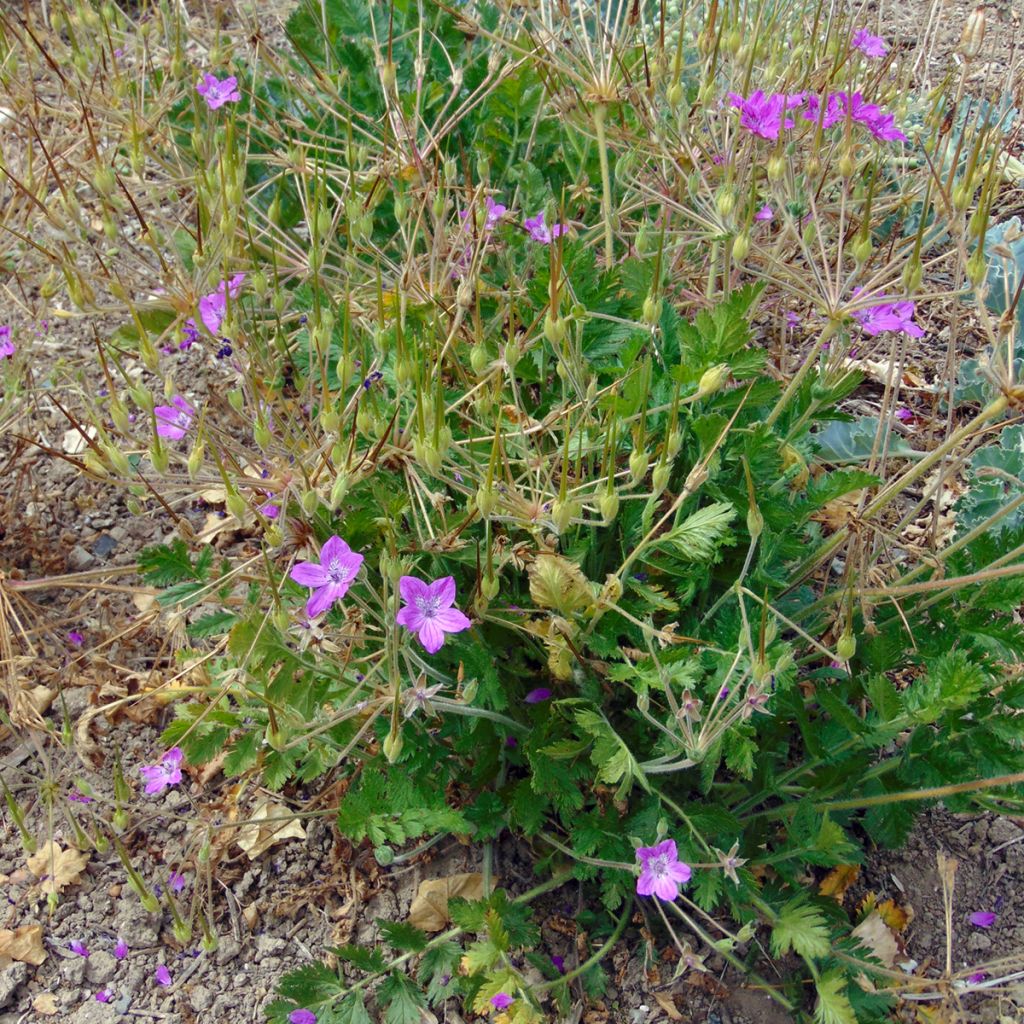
<point x="428" y="611"/>
<point x="766" y="115"/>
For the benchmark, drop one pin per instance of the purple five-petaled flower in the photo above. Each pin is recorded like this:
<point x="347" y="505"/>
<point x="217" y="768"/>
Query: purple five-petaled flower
<point x="765" y="213"/>
<point x="78" y="947"/>
<point x="302" y="1017"/>
<point x="162" y="975"/>
<point x="502" y="1001"/>
<point x="888" y="316"/>
<point x="330" y="578"/>
<point x="764" y="115"/>
<point x="217" y="93"/>
<point x="213" y="306"/>
<point x="661" y="871"/>
<point x="869" y="45"/>
<point x="540" y="232"/>
<point x="174" y="420"/>
<point x="167" y="772"/>
<point x="428" y="610"/>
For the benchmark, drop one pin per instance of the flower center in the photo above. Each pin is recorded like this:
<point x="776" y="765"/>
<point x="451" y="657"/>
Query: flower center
<point x="428" y="606"/>
<point x="338" y="572"/>
<point x="659" y="865"/>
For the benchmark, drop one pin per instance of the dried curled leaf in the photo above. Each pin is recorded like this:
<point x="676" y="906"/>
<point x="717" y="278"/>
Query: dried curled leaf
<point x="57" y="868"/>
<point x="429" y="910"/>
<point x="259" y="836"/>
<point x="24" y="944"/>
<point x="557" y="583"/>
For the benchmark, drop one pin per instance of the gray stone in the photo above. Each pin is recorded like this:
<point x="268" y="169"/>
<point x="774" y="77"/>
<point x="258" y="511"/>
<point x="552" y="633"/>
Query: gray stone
<point x="104" y="545"/>
<point x="1003" y="831"/>
<point x="93" y="1012"/>
<point x="135" y="926"/>
<point x="72" y="970"/>
<point x="978" y="943"/>
<point x="78" y="559"/>
<point x="227" y="950"/>
<point x="100" y="967"/>
<point x="267" y="944"/>
<point x="10" y="978"/>
<point x="200" y="998"/>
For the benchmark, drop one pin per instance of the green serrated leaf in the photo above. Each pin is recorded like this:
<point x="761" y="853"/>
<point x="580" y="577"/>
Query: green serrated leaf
<point x="401" y="999"/>
<point x="406" y="937"/>
<point x="802" y="928"/>
<point x="833" y="1005"/>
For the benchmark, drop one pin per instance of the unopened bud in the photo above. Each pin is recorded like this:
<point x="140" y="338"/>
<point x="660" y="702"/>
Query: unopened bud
<point x="712" y="380"/>
<point x="330" y="420"/>
<point x="339" y="489"/>
<point x="236" y="505"/>
<point x="651" y="313"/>
<point x="846" y="648"/>
<point x="104" y="181"/>
<point x="776" y="167"/>
<point x="392" y="746"/>
<point x="489" y="587"/>
<point x="675" y="95"/>
<point x="977" y="267"/>
<point x="486" y="501"/>
<point x="478" y="358"/>
<point x="912" y="276"/>
<point x="725" y="202"/>
<point x="236" y="399"/>
<point x="430" y="457"/>
<point x="862" y="249"/>
<point x="638" y="462"/>
<point x="741" y="246"/>
<point x="261" y="434"/>
<point x="847" y="163"/>
<point x="660" y="477"/>
<point x="755" y="521"/>
<point x="609" y="506"/>
<point x="119" y="414"/>
<point x="310" y="501"/>
<point x="554" y="329"/>
<point x="562" y="513"/>
<point x="158" y="457"/>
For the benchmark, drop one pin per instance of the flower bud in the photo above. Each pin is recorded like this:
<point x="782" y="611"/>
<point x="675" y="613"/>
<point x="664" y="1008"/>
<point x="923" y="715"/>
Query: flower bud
<point x="272" y="535"/>
<point x="261" y="434"/>
<point x="638" y="462"/>
<point x="846" y="648"/>
<point x="118" y="460"/>
<point x="236" y="399"/>
<point x="486" y="500"/>
<point x="776" y="167"/>
<point x="660" y="477"/>
<point x="554" y="329"/>
<point x="977" y="267"/>
<point x="675" y="95"/>
<point x="209" y="943"/>
<point x="119" y="414"/>
<point x="973" y="35"/>
<point x="158" y="457"/>
<point x="330" y="419"/>
<point x="862" y="249"/>
<point x="236" y="505"/>
<point x="755" y="521"/>
<point x="430" y="457"/>
<point x="733" y="41"/>
<point x="651" y="313"/>
<point x="847" y="163"/>
<point x="464" y="294"/>
<point x="562" y="513"/>
<point x="674" y="443"/>
<point x="478" y="358"/>
<point x="712" y="380"/>
<point x="912" y="276"/>
<point x="741" y="246"/>
<point x="384" y="855"/>
<point x="725" y="202"/>
<point x="104" y="181"/>
<point x="339" y="489"/>
<point x="609" y="506"/>
<point x="310" y="501"/>
<point x="392" y="746"/>
<point x="489" y="587"/>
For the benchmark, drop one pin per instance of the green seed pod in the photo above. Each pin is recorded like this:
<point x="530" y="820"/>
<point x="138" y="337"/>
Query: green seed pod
<point x="261" y="434"/>
<point x="486" y="500"/>
<point x="741" y="246"/>
<point x="392" y="747"/>
<point x="310" y="502"/>
<point x="236" y="399"/>
<point x="733" y="41"/>
<point x="862" y="249"/>
<point x="674" y="443"/>
<point x="912" y="277"/>
<point x="638" y="463"/>
<point x="846" y="648"/>
<point x="282" y="620"/>
<point x="478" y="358"/>
<point x="158" y="457"/>
<point x="725" y="202"/>
<point x="118" y="460"/>
<point x="384" y="855"/>
<point x="660" y="477"/>
<point x="755" y="521"/>
<point x="563" y="513"/>
<point x="259" y="283"/>
<point x="489" y="587"/>
<point x="977" y="267"/>
<point x="712" y="380"/>
<point x="554" y="329"/>
<point x="272" y="534"/>
<point x="119" y="414"/>
<point x="275" y="738"/>
<point x="104" y="181"/>
<point x="236" y="505"/>
<point x="330" y="420"/>
<point x="675" y="95"/>
<point x="431" y="458"/>
<point x="339" y="489"/>
<point x="847" y="163"/>
<point x="651" y="312"/>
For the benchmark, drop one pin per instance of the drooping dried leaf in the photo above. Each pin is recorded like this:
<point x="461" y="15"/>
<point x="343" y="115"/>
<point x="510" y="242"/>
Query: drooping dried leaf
<point x="557" y="583"/>
<point x="429" y="909"/>
<point x="667" y="1003"/>
<point x="259" y="836"/>
<point x="838" y="880"/>
<point x="874" y="933"/>
<point x="57" y="868"/>
<point x="24" y="944"/>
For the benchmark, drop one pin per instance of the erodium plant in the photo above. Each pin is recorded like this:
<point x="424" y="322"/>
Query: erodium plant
<point x="502" y="336"/>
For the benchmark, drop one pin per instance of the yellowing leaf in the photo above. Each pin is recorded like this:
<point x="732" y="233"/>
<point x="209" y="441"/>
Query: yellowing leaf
<point x="838" y="880"/>
<point x="56" y="867"/>
<point x="667" y="1003"/>
<point x="873" y="933"/>
<point x="258" y="836"/>
<point x="429" y="910"/>
<point x="24" y="944"/>
<point x="896" y="917"/>
<point x="557" y="583"/>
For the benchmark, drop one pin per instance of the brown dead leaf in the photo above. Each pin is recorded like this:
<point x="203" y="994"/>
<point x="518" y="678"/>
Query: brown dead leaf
<point x="874" y="934"/>
<point x="45" y="1003"/>
<point x="57" y="868"/>
<point x="838" y="880"/>
<point x="429" y="910"/>
<point x="74" y="443"/>
<point x="896" y="917"/>
<point x="667" y="1003"/>
<point x="24" y="944"/>
<point x="144" y="600"/>
<point x="33" y="701"/>
<point x="258" y="836"/>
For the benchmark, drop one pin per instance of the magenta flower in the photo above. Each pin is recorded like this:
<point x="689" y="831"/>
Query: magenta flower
<point x="104" y="995"/>
<point x="540" y="232"/>
<point x="661" y="872"/>
<point x="217" y="93"/>
<point x="6" y="345"/>
<point x="493" y="213"/>
<point x="764" y="115"/>
<point x="80" y="948"/>
<point x="213" y="307"/>
<point x="888" y="316"/>
<point x="189" y="334"/>
<point x="982" y="919"/>
<point x="542" y="693"/>
<point x="176" y="881"/>
<point x="174" y="420"/>
<point x="270" y="510"/>
<point x="832" y="114"/>
<point x="502" y="1001"/>
<point x="302" y="1017"/>
<point x="166" y="773"/>
<point x="330" y="578"/>
<point x="976" y="977"/>
<point x="428" y="610"/>
<point x="765" y="213"/>
<point x="162" y="975"/>
<point x="75" y="638"/>
<point x="904" y="415"/>
<point x="869" y="45"/>
<point x="79" y="798"/>
<point x="121" y="949"/>
<point x="880" y="124"/>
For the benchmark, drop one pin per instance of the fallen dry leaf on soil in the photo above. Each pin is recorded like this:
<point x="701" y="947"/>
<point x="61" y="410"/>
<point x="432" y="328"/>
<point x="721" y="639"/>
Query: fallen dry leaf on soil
<point x="838" y="880"/>
<point x="874" y="934"/>
<point x="74" y="443"/>
<point x="35" y="699"/>
<point x="24" y="944"/>
<point x="257" y="837"/>
<point x="45" y="1003"/>
<point x="429" y="910"/>
<point x="667" y="1003"/>
<point x="56" y="867"/>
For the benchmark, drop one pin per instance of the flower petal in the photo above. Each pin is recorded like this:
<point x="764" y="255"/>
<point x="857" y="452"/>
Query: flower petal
<point x="309" y="574"/>
<point x="334" y="547"/>
<point x="431" y="636"/>
<point x="320" y="600"/>
<point x="444" y="591"/>
<point x="411" y="588"/>
<point x="411" y="617"/>
<point x="451" y="620"/>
